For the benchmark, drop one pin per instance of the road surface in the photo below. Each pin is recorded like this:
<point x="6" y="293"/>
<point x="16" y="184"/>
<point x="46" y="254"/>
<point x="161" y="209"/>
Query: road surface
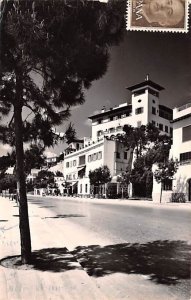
<point x="128" y="248"/>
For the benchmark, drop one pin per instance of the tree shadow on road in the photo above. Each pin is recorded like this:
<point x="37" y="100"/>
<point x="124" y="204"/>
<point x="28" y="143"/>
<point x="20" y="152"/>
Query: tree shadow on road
<point x="165" y="262"/>
<point x="65" y="216"/>
<point x="36" y="202"/>
<point x="46" y="206"/>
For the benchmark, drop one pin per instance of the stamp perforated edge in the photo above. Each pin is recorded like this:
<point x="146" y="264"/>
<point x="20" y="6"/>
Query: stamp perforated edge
<point x="129" y="27"/>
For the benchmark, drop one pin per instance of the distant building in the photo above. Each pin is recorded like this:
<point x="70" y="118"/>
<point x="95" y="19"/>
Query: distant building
<point x="75" y="145"/>
<point x="51" y="159"/>
<point x="181" y="149"/>
<point x="102" y="149"/>
<point x="104" y="152"/>
<point x="10" y="171"/>
<point x="32" y="176"/>
<point x="57" y="168"/>
<point x="144" y="109"/>
<point x="180" y="187"/>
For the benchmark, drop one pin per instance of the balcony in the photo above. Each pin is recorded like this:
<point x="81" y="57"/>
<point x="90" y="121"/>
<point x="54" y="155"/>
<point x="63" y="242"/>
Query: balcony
<point x="183" y="107"/>
<point x="182" y="111"/>
<point x="185" y="162"/>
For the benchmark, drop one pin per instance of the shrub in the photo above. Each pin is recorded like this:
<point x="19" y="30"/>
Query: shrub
<point x="178" y="197"/>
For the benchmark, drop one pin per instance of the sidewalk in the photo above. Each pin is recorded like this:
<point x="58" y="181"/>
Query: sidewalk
<point x="61" y="276"/>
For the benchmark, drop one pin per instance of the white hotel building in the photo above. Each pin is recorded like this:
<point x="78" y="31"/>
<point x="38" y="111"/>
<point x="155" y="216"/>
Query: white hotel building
<point x="100" y="149"/>
<point x="181" y="149"/>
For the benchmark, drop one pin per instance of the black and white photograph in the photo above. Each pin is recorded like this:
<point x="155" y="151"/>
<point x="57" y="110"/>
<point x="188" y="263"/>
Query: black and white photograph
<point x="95" y="150"/>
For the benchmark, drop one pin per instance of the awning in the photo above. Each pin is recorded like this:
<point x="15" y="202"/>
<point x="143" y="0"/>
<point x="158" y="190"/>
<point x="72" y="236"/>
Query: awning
<point x="81" y="168"/>
<point x="114" y="179"/>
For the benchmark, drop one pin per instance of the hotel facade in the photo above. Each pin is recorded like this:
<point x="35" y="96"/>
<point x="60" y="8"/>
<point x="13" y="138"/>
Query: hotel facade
<point x="102" y="149"/>
<point x="181" y="150"/>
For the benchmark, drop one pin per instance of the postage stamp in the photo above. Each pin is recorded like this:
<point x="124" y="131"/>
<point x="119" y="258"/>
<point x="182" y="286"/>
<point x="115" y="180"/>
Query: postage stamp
<point x="158" y="15"/>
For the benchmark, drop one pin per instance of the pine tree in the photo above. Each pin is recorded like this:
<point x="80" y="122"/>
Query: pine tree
<point x="65" y="43"/>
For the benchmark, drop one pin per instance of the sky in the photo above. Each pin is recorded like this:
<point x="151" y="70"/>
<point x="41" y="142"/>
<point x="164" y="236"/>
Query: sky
<point x="164" y="56"/>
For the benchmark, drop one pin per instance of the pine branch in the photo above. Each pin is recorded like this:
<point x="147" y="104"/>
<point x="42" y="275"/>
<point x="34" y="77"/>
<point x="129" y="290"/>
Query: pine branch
<point x="11" y="121"/>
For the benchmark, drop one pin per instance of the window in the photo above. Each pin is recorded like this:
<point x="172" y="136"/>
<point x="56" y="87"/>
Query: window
<point x="154" y="123"/>
<point x="86" y="188"/>
<point x="139" y="100"/>
<point x="161" y="127"/>
<point x="139" y="110"/>
<point x="67" y="164"/>
<point x="171" y="131"/>
<point x="89" y="158"/>
<point x="111" y="129"/>
<point x="165" y="115"/>
<point x="74" y="176"/>
<point x="99" y="155"/>
<point x="100" y="132"/>
<point x="117" y="155"/>
<point x="167" y="185"/>
<point x="140" y="92"/>
<point x="166" y="129"/>
<point x="111" y="118"/>
<point x="153" y="101"/>
<point x="125" y="155"/>
<point x="82" y="160"/>
<point x="154" y="110"/>
<point x="186" y="156"/>
<point x="74" y="163"/>
<point x="139" y="123"/>
<point x="152" y="92"/>
<point x="186" y="133"/>
<point x="80" y="188"/>
<point x="94" y="156"/>
<point x="100" y="121"/>
<point x="119" y="128"/>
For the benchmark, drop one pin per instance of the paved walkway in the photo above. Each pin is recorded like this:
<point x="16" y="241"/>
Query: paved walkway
<point x="60" y="276"/>
<point x="64" y="281"/>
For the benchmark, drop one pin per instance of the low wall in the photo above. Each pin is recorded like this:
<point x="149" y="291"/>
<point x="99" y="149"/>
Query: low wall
<point x="166" y="197"/>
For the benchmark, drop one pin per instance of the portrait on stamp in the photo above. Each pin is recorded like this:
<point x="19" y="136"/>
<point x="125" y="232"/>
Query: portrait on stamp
<point x="158" y="13"/>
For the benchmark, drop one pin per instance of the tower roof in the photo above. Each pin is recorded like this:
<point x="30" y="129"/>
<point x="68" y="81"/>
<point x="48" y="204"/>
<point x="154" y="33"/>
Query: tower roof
<point x="145" y="83"/>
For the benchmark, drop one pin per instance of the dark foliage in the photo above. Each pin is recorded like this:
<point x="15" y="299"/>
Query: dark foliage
<point x="44" y="178"/>
<point x="100" y="176"/>
<point x="8" y="182"/>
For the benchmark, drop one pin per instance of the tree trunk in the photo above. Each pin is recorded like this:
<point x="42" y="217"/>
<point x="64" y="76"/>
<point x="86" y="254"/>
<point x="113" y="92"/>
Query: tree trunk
<point x="161" y="193"/>
<point x="23" y="206"/>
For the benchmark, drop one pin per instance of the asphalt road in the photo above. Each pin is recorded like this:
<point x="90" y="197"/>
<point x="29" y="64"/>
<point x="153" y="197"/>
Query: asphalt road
<point x="123" y="223"/>
<point x="148" y="253"/>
